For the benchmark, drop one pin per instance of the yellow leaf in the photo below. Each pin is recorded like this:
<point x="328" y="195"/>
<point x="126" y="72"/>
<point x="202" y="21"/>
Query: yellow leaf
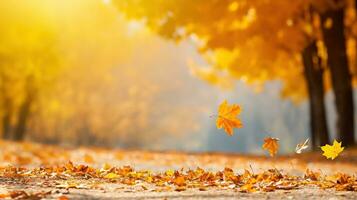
<point x="106" y="167"/>
<point x="170" y="172"/>
<point x="332" y="151"/>
<point x="227" y="117"/>
<point x="271" y="145"/>
<point x="111" y="176"/>
<point x="247" y="188"/>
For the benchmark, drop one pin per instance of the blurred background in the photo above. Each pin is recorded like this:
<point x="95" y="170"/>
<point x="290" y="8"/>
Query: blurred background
<point x="144" y="74"/>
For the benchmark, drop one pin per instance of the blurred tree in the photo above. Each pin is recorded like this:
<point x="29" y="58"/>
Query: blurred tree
<point x="66" y="77"/>
<point x="335" y="41"/>
<point x="257" y="41"/>
<point x="314" y="78"/>
<point x="237" y="40"/>
<point x="25" y="110"/>
<point x="6" y="106"/>
<point x="26" y="55"/>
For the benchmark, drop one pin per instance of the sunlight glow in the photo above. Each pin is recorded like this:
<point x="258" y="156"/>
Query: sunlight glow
<point x="107" y="1"/>
<point x="134" y="27"/>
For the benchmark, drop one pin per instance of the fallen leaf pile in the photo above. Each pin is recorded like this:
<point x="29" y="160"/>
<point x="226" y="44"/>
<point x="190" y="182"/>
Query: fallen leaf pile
<point x="20" y="194"/>
<point x="86" y="177"/>
<point x="158" y="172"/>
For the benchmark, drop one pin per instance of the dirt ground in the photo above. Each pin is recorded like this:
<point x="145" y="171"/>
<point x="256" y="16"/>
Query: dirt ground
<point x="33" y="157"/>
<point x="303" y="193"/>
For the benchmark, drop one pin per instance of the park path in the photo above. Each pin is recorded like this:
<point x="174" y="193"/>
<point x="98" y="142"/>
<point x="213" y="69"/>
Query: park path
<point x="31" y="156"/>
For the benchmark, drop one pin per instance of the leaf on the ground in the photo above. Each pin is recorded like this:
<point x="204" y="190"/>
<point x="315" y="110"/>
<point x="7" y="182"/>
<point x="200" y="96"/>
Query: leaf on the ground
<point x="111" y="176"/>
<point x="63" y="198"/>
<point x="227" y="117"/>
<point x="72" y="184"/>
<point x="21" y="194"/>
<point x="67" y="175"/>
<point x="271" y="145"/>
<point x="287" y="185"/>
<point x="106" y="167"/>
<point x="332" y="151"/>
<point x="314" y="176"/>
<point x="170" y="172"/>
<point x="302" y="146"/>
<point x="180" y="189"/>
<point x="247" y="188"/>
<point x="179" y="181"/>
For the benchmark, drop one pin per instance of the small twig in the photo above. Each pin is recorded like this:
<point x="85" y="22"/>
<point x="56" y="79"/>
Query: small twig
<point x="251" y="168"/>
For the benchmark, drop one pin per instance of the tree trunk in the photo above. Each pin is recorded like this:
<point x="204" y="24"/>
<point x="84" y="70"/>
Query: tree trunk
<point x="314" y="80"/>
<point x="7" y="118"/>
<point x="25" y="111"/>
<point x="6" y="106"/>
<point x="335" y="42"/>
<point x="23" y="116"/>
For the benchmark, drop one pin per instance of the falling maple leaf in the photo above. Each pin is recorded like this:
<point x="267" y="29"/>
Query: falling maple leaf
<point x="332" y="151"/>
<point x="301" y="146"/>
<point x="227" y="117"/>
<point x="271" y="145"/>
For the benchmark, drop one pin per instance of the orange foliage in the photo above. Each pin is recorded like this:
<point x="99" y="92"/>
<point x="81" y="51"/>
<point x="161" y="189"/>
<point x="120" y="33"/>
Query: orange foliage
<point x="227" y="117"/>
<point x="253" y="41"/>
<point x="271" y="145"/>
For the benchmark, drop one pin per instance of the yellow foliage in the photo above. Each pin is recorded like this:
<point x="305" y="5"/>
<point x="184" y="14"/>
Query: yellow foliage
<point x="332" y="151"/>
<point x="72" y="63"/>
<point x="111" y="176"/>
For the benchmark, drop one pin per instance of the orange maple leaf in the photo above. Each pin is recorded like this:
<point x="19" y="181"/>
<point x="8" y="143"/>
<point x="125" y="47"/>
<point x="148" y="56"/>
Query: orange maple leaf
<point x="179" y="181"/>
<point x="271" y="145"/>
<point x="227" y="117"/>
